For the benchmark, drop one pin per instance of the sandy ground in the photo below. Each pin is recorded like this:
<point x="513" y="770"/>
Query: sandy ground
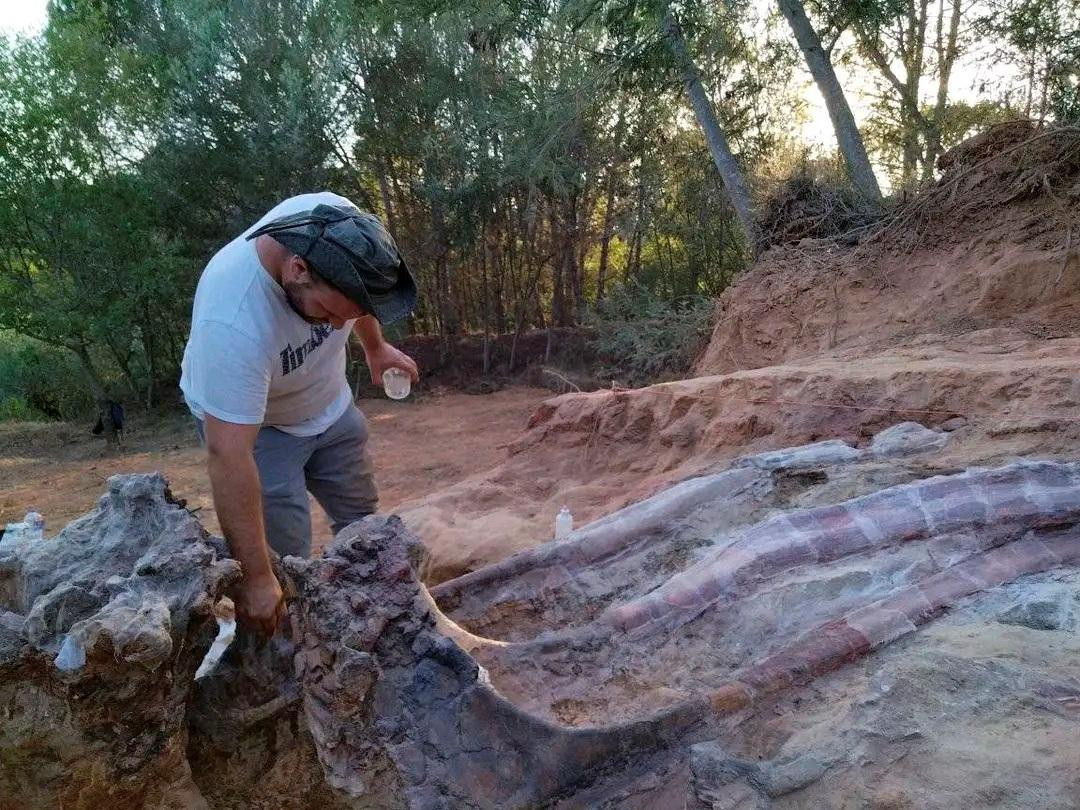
<point x="420" y="445"/>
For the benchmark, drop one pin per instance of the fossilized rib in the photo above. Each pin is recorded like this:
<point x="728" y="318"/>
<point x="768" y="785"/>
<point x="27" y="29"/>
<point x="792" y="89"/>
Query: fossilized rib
<point x="835" y="643"/>
<point x="397" y="709"/>
<point x="1002" y="502"/>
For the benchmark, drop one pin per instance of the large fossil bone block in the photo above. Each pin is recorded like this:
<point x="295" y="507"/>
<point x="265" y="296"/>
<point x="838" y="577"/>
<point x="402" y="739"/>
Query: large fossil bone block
<point x="103" y="628"/>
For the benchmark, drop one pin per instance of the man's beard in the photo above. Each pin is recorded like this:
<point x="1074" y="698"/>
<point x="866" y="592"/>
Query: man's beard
<point x="292" y="295"/>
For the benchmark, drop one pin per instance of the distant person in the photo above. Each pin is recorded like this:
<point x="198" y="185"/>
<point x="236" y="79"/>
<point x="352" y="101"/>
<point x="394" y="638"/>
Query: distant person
<point x="264" y="375"/>
<point x="110" y="422"/>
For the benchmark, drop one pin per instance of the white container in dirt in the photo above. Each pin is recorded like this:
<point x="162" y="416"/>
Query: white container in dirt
<point x="564" y="523"/>
<point x="396" y="383"/>
<point x="34" y="525"/>
<point x="225" y="636"/>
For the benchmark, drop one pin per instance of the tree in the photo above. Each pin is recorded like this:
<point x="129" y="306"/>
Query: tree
<point x="1041" y="38"/>
<point x="847" y="132"/>
<point x="891" y="32"/>
<point x="530" y="158"/>
<point x="69" y="276"/>
<point x="726" y="164"/>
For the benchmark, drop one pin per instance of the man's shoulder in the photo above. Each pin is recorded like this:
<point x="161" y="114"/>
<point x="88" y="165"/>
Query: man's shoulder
<point x="214" y="336"/>
<point x="229" y="292"/>
<point x="225" y="282"/>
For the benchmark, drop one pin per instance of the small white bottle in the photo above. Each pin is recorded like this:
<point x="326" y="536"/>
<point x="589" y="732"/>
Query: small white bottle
<point x="396" y="383"/>
<point x="34" y="525"/>
<point x="564" y="523"/>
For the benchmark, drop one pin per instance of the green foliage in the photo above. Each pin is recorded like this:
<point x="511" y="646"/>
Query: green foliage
<point x="16" y="409"/>
<point x="1041" y="40"/>
<point x="40" y="382"/>
<point x="529" y="157"/>
<point x="886" y="131"/>
<point x="642" y="338"/>
<point x="86" y="262"/>
<point x="693" y="247"/>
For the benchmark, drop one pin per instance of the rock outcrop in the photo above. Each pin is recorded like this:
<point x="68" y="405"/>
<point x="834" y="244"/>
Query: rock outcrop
<point x="101" y="631"/>
<point x="623" y="666"/>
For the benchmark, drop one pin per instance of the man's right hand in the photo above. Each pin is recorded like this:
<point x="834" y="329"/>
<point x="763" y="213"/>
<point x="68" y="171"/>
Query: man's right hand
<point x="234" y="479"/>
<point x="260" y="603"/>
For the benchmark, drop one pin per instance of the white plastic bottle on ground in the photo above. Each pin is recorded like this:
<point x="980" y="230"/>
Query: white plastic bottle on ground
<point x="564" y="523"/>
<point x="33" y="525"/>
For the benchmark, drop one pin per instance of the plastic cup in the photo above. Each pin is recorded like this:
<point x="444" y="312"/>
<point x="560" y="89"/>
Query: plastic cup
<point x="396" y="383"/>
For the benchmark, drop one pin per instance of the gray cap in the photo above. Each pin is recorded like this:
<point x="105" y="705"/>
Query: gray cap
<point x="354" y="253"/>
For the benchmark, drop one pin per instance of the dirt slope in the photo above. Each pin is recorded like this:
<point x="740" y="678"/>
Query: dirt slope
<point x="964" y="304"/>
<point x="1006" y="393"/>
<point x="993" y="244"/>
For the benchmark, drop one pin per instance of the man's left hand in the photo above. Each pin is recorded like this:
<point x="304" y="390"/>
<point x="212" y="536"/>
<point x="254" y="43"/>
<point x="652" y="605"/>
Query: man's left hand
<point x="385" y="356"/>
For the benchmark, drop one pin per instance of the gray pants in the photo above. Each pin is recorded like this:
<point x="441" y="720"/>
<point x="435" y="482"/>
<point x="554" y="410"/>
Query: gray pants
<point x="334" y="466"/>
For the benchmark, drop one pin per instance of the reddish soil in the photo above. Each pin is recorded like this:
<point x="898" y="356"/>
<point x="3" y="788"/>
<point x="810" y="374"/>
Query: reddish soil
<point x="420" y="445"/>
<point x="960" y="314"/>
<point x="962" y="309"/>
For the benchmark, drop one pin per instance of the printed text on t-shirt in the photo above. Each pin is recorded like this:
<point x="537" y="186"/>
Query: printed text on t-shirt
<point x="294" y="358"/>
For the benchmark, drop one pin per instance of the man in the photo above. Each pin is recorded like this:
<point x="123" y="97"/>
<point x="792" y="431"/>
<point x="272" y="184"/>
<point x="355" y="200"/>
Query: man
<point x="264" y="375"/>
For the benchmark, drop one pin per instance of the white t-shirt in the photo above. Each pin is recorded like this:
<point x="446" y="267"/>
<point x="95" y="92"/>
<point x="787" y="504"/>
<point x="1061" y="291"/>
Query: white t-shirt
<point x="250" y="359"/>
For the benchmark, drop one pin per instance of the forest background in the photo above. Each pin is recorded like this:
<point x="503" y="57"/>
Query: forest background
<point x="603" y="165"/>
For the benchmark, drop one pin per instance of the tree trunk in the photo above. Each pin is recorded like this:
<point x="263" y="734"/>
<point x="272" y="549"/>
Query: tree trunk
<point x="947" y="50"/>
<point x="151" y="373"/>
<point x="1044" y="92"/>
<point x="730" y="173"/>
<point x="513" y="349"/>
<point x="96" y="383"/>
<point x="1030" y="86"/>
<point x="449" y="315"/>
<point x="605" y="239"/>
<point x="609" y="200"/>
<point x="388" y="208"/>
<point x="915" y="66"/>
<point x="848" y="138"/>
<point x="485" y="301"/>
<point x="575" y="243"/>
<point x="125" y="367"/>
<point x="633" y="259"/>
<point x="558" y="273"/>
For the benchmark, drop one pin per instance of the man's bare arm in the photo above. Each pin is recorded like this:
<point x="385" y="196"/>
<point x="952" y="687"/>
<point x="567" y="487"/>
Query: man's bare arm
<point x="234" y="480"/>
<point x="370" y="333"/>
<point x="379" y="354"/>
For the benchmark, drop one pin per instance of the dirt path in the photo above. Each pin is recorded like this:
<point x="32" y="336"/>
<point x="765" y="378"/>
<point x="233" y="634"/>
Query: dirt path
<point x="419" y="445"/>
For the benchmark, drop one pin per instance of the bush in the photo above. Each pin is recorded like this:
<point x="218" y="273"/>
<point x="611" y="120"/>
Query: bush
<point x="641" y="338"/>
<point x="39" y="381"/>
<point x="17" y="409"/>
<point x="812" y="205"/>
